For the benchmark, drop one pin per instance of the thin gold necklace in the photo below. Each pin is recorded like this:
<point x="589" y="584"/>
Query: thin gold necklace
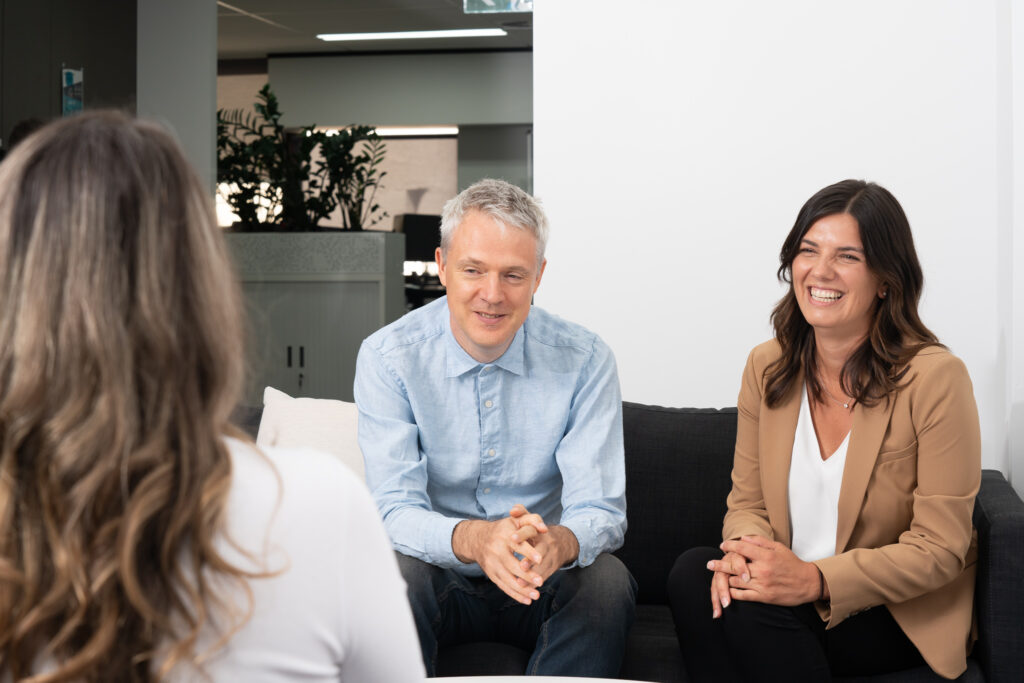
<point x="829" y="394"/>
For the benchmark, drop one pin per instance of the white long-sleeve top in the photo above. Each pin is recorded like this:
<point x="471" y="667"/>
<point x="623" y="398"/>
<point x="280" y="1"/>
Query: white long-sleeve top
<point x="338" y="610"/>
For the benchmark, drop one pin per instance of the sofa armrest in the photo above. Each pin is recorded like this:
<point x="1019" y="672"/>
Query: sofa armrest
<point x="999" y="593"/>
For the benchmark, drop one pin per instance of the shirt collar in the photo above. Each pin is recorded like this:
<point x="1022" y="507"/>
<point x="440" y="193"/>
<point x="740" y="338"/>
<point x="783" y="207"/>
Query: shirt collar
<point x="459" y="362"/>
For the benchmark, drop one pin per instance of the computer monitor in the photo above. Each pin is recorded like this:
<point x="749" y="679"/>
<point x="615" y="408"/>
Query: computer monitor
<point x="422" y="235"/>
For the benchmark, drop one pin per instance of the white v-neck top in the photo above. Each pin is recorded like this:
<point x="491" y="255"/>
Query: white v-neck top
<point x="814" y="490"/>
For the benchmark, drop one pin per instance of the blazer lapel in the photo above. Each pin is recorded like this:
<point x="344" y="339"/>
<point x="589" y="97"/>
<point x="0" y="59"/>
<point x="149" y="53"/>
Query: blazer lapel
<point x="866" y="434"/>
<point x="778" y="430"/>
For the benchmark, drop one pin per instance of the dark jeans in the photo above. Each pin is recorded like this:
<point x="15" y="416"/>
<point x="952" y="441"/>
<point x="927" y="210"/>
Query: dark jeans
<point x="578" y="626"/>
<point x="753" y="641"/>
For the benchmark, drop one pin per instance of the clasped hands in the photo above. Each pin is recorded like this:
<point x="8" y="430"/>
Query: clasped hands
<point x="494" y="546"/>
<point x="757" y="569"/>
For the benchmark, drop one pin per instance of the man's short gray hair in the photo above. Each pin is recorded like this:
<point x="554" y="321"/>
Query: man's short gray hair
<point x="504" y="202"/>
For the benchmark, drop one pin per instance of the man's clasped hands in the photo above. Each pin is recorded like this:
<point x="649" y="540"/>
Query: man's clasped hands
<point x="495" y="545"/>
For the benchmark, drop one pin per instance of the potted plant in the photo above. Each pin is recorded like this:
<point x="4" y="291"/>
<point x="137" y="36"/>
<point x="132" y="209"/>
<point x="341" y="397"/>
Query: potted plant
<point x="278" y="179"/>
<point x="352" y="175"/>
<point x="313" y="293"/>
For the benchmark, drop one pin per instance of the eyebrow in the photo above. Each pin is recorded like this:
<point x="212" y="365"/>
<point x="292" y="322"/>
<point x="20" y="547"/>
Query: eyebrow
<point x="815" y="244"/>
<point x="467" y="261"/>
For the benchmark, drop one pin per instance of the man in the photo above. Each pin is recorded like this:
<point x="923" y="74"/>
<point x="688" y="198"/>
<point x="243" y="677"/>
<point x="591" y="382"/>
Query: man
<point x="492" y="435"/>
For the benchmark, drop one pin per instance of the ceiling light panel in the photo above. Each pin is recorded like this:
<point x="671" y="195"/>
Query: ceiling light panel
<point x="413" y="35"/>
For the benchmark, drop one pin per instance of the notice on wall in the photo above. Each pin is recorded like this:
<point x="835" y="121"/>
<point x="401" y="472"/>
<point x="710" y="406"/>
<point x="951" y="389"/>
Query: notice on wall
<point x="71" y="89"/>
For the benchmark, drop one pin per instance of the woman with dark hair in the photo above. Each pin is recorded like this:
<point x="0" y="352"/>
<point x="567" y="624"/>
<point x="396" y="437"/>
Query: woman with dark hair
<point x="848" y="542"/>
<point x="140" y="541"/>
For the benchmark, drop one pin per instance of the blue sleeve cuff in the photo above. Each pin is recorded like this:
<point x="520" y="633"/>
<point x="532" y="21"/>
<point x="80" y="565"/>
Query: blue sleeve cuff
<point x="439" y="543"/>
<point x="432" y="534"/>
<point x="587" y="539"/>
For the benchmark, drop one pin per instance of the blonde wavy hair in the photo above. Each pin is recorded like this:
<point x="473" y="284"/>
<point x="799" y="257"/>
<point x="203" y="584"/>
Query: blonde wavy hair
<point x="120" y="364"/>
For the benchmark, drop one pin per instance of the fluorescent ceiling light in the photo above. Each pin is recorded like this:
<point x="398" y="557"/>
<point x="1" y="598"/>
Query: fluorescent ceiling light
<point x="404" y="131"/>
<point x="416" y="131"/>
<point x="407" y="35"/>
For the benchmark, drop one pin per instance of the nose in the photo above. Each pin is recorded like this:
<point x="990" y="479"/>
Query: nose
<point x="823" y="268"/>
<point x="491" y="290"/>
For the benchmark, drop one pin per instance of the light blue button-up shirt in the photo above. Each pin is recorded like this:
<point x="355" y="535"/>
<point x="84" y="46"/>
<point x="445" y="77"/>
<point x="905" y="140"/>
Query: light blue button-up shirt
<point x="446" y="438"/>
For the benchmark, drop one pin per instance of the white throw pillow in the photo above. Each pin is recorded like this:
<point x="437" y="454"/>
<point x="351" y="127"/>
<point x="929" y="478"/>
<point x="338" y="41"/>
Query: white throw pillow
<point x="318" y="423"/>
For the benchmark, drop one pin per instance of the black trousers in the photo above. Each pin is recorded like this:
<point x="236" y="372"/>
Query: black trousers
<point x="753" y="641"/>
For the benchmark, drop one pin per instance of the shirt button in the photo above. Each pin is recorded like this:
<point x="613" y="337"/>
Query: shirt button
<point x="487" y="490"/>
<point x="490" y="452"/>
<point x="488" y="403"/>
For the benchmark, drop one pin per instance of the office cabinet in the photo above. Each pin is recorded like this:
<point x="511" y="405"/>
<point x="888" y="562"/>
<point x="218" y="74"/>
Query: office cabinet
<point x="311" y="299"/>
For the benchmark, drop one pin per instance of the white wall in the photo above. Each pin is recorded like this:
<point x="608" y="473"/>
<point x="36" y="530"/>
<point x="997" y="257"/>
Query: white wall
<point x="238" y="91"/>
<point x="675" y="142"/>
<point x="1016" y="373"/>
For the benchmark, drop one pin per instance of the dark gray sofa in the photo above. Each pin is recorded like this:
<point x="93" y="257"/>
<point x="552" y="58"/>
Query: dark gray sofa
<point x="678" y="462"/>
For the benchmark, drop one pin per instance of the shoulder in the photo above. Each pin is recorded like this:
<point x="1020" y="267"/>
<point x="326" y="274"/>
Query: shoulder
<point x="551" y="331"/>
<point x="763" y="355"/>
<point x="935" y="368"/>
<point x="932" y="358"/>
<point x="304" y="483"/>
<point x="412" y="329"/>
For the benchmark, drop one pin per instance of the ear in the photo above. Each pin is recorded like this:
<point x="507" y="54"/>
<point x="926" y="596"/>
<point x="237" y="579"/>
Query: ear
<point x="540" y="274"/>
<point x="439" y="259"/>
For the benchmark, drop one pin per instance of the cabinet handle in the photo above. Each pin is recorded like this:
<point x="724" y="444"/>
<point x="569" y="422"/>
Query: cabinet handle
<point x="302" y="356"/>
<point x="289" y="356"/>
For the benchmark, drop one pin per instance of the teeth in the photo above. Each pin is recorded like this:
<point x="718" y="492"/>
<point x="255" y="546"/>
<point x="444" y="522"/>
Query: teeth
<point x="825" y="294"/>
<point x="490" y="316"/>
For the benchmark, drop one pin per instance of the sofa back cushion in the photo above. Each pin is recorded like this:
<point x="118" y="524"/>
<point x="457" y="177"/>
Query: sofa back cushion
<point x="318" y="423"/>
<point x="678" y="466"/>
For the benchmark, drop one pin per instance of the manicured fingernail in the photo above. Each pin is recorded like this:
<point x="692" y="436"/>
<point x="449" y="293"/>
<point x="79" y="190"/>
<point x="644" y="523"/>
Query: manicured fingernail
<point x="711" y="565"/>
<point x="537" y="581"/>
<point x="715" y="614"/>
<point x="746" y="578"/>
<point x="725" y="602"/>
<point x="536" y="558"/>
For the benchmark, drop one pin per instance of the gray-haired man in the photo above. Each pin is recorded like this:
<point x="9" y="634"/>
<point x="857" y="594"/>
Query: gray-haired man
<point x="492" y="435"/>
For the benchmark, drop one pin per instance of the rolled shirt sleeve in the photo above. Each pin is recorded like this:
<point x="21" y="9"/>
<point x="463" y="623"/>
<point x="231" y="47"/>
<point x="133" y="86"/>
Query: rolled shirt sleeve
<point x="591" y="459"/>
<point x="396" y="470"/>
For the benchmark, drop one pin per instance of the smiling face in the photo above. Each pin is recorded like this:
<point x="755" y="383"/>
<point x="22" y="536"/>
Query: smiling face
<point x="834" y="287"/>
<point x="491" y="273"/>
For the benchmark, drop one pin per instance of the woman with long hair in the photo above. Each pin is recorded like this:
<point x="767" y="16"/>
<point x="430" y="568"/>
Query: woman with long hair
<point x="848" y="547"/>
<point x="143" y="537"/>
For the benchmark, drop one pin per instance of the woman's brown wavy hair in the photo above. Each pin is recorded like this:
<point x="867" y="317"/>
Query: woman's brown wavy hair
<point x="120" y="363"/>
<point x="875" y="369"/>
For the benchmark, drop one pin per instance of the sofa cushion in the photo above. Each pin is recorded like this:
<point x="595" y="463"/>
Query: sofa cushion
<point x="482" y="658"/>
<point x="318" y="423"/>
<point x="652" y="649"/>
<point x="678" y="465"/>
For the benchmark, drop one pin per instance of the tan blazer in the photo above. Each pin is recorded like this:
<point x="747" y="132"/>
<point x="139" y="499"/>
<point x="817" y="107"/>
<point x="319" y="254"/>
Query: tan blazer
<point x="904" y="538"/>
